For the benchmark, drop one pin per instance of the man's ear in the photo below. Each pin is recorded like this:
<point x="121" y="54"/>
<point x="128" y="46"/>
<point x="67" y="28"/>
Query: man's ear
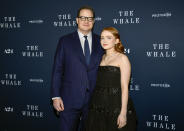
<point x="77" y="20"/>
<point x="94" y="21"/>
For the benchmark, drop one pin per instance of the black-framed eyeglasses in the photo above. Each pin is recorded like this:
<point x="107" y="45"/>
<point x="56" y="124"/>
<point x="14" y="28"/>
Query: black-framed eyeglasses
<point x="83" y="18"/>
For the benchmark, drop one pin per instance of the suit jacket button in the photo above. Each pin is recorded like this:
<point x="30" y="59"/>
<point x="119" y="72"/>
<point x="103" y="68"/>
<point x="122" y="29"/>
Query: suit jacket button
<point x="87" y="89"/>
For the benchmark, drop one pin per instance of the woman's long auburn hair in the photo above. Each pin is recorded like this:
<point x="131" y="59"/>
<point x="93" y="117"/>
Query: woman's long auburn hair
<point x="119" y="46"/>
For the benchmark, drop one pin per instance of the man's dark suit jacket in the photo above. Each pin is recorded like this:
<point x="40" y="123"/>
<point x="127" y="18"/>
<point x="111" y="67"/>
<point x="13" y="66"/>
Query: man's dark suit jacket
<point x="71" y="75"/>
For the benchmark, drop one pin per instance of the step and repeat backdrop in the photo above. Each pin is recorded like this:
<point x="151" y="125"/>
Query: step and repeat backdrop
<point x="151" y="31"/>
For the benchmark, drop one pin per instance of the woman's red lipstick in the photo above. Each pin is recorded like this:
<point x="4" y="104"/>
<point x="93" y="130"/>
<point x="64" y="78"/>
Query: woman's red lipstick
<point x="105" y="44"/>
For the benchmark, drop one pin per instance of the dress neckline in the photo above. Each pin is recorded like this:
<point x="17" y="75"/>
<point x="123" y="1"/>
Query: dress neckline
<point x="109" y="66"/>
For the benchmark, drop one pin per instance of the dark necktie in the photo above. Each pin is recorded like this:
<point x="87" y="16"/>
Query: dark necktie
<point x="86" y="50"/>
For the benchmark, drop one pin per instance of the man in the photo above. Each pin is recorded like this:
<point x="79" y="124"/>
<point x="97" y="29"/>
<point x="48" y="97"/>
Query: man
<point x="74" y="72"/>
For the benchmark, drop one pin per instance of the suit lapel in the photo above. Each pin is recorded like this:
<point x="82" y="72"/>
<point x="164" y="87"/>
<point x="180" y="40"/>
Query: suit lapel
<point x="78" y="48"/>
<point x="94" y="54"/>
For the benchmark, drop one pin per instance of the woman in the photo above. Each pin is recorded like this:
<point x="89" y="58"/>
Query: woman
<point x="111" y="108"/>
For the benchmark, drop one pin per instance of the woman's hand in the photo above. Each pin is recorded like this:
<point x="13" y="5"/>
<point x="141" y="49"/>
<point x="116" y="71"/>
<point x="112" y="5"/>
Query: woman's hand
<point x="121" y="121"/>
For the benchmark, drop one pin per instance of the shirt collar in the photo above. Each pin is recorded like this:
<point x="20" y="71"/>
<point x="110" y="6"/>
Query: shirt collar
<point x="82" y="35"/>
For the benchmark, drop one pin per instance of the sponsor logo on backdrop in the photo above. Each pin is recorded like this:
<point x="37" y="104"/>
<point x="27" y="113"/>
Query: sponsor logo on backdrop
<point x="32" y="111"/>
<point x="8" y="109"/>
<point x="133" y="85"/>
<point x="98" y="18"/>
<point x="161" y="122"/>
<point x="126" y="17"/>
<point x="32" y="80"/>
<point x="160" y="85"/>
<point x="127" y="50"/>
<point x="9" y="22"/>
<point x="161" y="15"/>
<point x="35" y="21"/>
<point x="8" y="51"/>
<point x="161" y="50"/>
<point x="65" y="20"/>
<point x="32" y="51"/>
<point x="11" y="80"/>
